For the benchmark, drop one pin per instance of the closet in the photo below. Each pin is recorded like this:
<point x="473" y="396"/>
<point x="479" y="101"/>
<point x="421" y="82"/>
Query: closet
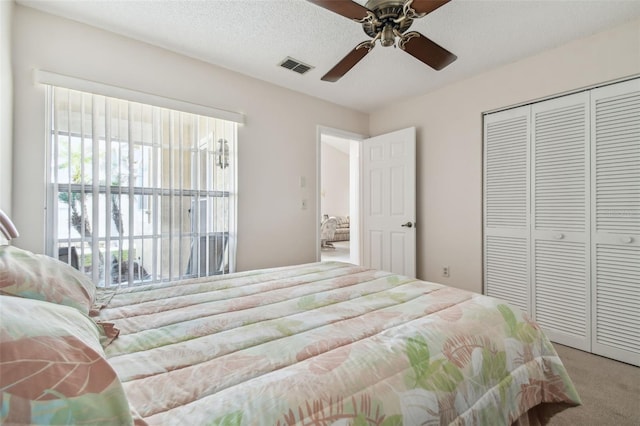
<point x="562" y="216"/>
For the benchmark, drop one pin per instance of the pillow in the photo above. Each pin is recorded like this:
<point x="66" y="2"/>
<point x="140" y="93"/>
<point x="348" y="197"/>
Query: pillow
<point x="53" y="368"/>
<point x="36" y="276"/>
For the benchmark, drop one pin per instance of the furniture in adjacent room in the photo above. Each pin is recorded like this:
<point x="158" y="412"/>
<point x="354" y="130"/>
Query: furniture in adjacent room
<point x="327" y="232"/>
<point x="342" y="229"/>
<point x="562" y="216"/>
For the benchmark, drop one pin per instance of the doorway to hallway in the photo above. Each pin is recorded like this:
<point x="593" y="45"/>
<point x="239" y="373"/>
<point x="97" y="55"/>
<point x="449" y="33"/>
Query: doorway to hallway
<point x="339" y="195"/>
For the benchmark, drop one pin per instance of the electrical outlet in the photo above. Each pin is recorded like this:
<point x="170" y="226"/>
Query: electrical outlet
<point x="445" y="271"/>
<point x="303" y="204"/>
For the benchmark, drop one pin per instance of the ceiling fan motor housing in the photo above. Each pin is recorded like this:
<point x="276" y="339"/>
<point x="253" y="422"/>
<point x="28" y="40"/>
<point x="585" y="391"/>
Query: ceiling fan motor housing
<point x="387" y="13"/>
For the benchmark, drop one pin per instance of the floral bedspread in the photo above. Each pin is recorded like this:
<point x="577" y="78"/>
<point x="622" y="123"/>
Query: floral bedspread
<point x="328" y="344"/>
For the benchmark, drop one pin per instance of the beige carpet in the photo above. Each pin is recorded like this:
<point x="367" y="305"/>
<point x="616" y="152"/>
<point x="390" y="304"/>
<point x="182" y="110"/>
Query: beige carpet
<point x="610" y="390"/>
<point x="340" y="252"/>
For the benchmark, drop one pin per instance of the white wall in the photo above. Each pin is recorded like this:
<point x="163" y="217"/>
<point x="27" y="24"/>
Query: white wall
<point x="334" y="189"/>
<point x="6" y="105"/>
<point x="281" y="125"/>
<point x="449" y="140"/>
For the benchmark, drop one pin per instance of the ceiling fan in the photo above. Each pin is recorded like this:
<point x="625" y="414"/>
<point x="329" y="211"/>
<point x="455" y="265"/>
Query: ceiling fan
<point x="388" y="21"/>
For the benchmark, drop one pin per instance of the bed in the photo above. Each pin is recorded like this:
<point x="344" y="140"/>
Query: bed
<point x="325" y="343"/>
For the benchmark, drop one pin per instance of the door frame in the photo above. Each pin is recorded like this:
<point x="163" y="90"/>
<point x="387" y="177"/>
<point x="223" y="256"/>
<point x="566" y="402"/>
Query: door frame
<point x="358" y="138"/>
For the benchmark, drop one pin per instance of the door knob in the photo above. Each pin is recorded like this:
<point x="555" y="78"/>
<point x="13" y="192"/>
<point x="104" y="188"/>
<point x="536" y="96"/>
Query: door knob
<point x="627" y="240"/>
<point x="408" y="225"/>
<point x="558" y="236"/>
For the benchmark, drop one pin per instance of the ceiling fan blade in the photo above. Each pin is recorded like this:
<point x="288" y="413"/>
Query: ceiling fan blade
<point x="427" y="51"/>
<point x="427" y="6"/>
<point x="348" y="62"/>
<point x="346" y="8"/>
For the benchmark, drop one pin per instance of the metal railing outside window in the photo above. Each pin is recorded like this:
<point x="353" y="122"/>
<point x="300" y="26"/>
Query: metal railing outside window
<point x="138" y="193"/>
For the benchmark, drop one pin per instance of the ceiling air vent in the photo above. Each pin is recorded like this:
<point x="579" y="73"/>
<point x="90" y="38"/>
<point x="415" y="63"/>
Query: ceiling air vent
<point x="295" y="65"/>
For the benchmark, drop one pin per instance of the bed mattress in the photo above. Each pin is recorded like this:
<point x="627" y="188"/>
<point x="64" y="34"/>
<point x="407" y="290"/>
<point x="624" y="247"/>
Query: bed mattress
<point x="329" y="343"/>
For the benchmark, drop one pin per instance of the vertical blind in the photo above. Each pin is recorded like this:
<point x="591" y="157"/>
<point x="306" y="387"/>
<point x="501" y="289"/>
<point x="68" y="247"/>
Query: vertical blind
<point x="138" y="193"/>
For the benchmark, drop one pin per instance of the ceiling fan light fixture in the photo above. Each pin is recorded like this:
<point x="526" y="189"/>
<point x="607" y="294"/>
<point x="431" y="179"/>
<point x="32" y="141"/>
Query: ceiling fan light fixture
<point x="388" y="37"/>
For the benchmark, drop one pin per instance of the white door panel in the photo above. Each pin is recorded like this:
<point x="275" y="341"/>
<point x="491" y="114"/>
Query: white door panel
<point x="560" y="219"/>
<point x="506" y="206"/>
<point x="389" y="175"/>
<point x="615" y="189"/>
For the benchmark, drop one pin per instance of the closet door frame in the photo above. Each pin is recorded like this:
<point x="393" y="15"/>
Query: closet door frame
<point x="616" y="262"/>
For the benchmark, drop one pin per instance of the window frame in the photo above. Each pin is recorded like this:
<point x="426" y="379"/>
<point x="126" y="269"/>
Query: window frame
<point x="156" y="191"/>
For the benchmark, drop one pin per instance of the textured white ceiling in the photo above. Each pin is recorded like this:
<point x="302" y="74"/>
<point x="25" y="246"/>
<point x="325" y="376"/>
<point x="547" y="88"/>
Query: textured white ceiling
<point x="253" y="36"/>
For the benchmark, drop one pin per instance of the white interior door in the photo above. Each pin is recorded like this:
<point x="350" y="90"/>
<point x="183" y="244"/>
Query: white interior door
<point x="389" y="202"/>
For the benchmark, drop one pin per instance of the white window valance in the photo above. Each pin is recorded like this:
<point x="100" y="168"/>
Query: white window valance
<point x="74" y="83"/>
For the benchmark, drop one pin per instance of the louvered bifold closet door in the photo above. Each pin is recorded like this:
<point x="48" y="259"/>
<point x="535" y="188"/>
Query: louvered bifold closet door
<point x="616" y="229"/>
<point x="506" y="206"/>
<point x="560" y="222"/>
